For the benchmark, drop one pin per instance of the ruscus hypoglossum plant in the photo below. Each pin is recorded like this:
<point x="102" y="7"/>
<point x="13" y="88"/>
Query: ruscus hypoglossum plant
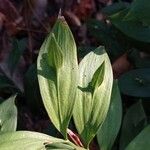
<point x="82" y="91"/>
<point x="67" y="89"/>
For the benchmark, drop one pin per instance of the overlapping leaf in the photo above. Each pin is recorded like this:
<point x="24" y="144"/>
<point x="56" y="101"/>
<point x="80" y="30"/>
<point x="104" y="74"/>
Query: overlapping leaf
<point x="134" y="121"/>
<point x="57" y="74"/>
<point x="92" y="100"/>
<point x="132" y="28"/>
<point x="141" y="141"/>
<point x="109" y="130"/>
<point x="8" y="115"/>
<point x="25" y="140"/>
<point x="139" y="10"/>
<point x="65" y="145"/>
<point x="114" y="8"/>
<point x="136" y="83"/>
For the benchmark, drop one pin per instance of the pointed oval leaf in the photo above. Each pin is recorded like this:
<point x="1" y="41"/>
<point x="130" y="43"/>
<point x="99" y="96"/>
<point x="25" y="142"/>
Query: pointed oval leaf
<point x="91" y="105"/>
<point x="114" y="8"/>
<point x="25" y="140"/>
<point x="98" y="76"/>
<point x="133" y="122"/>
<point x="107" y="133"/>
<point x="133" y="28"/>
<point x="141" y="141"/>
<point x="8" y="115"/>
<point x="60" y="146"/>
<point x="66" y="145"/>
<point x="55" y="56"/>
<point x="136" y="83"/>
<point x="139" y="10"/>
<point x="57" y="74"/>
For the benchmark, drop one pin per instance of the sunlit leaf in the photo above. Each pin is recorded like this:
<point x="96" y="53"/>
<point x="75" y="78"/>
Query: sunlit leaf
<point x="60" y="146"/>
<point x="66" y="145"/>
<point x="98" y="76"/>
<point x="25" y="140"/>
<point x="8" y="115"/>
<point x="109" y="129"/>
<point x="55" y="56"/>
<point x="57" y="74"/>
<point x="92" y="103"/>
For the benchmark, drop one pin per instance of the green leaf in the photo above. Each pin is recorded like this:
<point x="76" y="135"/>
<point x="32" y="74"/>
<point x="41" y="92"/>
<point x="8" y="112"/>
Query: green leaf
<point x="139" y="10"/>
<point x="66" y="145"/>
<point x="62" y="146"/>
<point x="55" y="56"/>
<point x="8" y="115"/>
<point x="26" y="140"/>
<point x="114" y="8"/>
<point x="98" y="76"/>
<point x="136" y="83"/>
<point x="92" y="104"/>
<point x="132" y="28"/>
<point x="57" y="74"/>
<point x="108" y="131"/>
<point x="141" y="142"/>
<point x="133" y="122"/>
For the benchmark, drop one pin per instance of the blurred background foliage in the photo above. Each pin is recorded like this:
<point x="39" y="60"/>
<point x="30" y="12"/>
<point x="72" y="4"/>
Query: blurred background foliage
<point x="122" y="26"/>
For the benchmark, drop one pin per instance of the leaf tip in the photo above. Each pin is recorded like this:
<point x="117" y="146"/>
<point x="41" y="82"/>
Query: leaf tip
<point x="60" y="16"/>
<point x="14" y="97"/>
<point x="60" y="13"/>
